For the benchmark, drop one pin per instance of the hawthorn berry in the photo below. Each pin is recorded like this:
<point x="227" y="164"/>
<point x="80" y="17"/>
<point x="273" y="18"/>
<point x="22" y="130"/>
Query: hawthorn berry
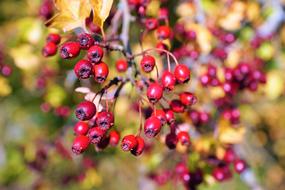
<point x="49" y="49"/>
<point x="129" y="142"/>
<point x="139" y="147"/>
<point x="95" y="54"/>
<point x="187" y="98"/>
<point x="182" y="73"/>
<point x="181" y="168"/>
<point x="83" y="69"/>
<point x="152" y="126"/>
<point x="177" y="106"/>
<point x="154" y="92"/>
<point x="81" y="128"/>
<point x="171" y="140"/>
<point x="183" y="137"/>
<point x="101" y="71"/>
<point x="54" y="38"/>
<point x="104" y="120"/>
<point x="85" y="110"/>
<point x="147" y="63"/>
<point x="85" y="40"/>
<point x="121" y="65"/>
<point x="169" y="116"/>
<point x="168" y="80"/>
<point x="229" y="156"/>
<point x="6" y="70"/>
<point x="160" y="114"/>
<point x="70" y="50"/>
<point x="80" y="144"/>
<point x="161" y="46"/>
<point x="103" y="143"/>
<point x="239" y="166"/>
<point x="163" y="32"/>
<point x="151" y="23"/>
<point x="114" y="138"/>
<point x="95" y="134"/>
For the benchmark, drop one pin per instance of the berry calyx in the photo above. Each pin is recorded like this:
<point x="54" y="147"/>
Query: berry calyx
<point x="95" y="54"/>
<point x="101" y="71"/>
<point x="96" y="134"/>
<point x="80" y="144"/>
<point x="128" y="143"/>
<point x="81" y="128"/>
<point x="70" y="50"/>
<point x="85" y="40"/>
<point x="83" y="69"/>
<point x="147" y="63"/>
<point x="152" y="126"/>
<point x="85" y="110"/>
<point x="105" y="120"/>
<point x="182" y="73"/>
<point x="154" y="92"/>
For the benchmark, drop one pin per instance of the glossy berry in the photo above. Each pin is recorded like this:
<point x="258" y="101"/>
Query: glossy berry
<point x="95" y="54"/>
<point x="187" y="98"/>
<point x="168" y="80"/>
<point x="151" y="23"/>
<point x="163" y="32"/>
<point x="80" y="144"/>
<point x="182" y="73"/>
<point x="229" y="156"/>
<point x="96" y="134"/>
<point x="54" y="38"/>
<point x="147" y="63"/>
<point x="169" y="116"/>
<point x="154" y="92"/>
<point x="121" y="65"/>
<point x="152" y="126"/>
<point x="101" y="71"/>
<point x="49" y="49"/>
<point x="239" y="165"/>
<point x="218" y="174"/>
<point x="114" y="138"/>
<point x="85" y="110"/>
<point x="160" y="114"/>
<point x="171" y="140"/>
<point x="85" y="40"/>
<point x="163" y="13"/>
<point x="162" y="46"/>
<point x="105" y="120"/>
<point x="129" y="142"/>
<point x="177" y="106"/>
<point x="184" y="138"/>
<point x="81" y="128"/>
<point x="70" y="50"/>
<point x="83" y="69"/>
<point x="139" y="147"/>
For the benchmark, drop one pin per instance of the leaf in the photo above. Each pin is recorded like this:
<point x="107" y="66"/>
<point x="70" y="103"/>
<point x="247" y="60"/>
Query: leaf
<point x="101" y="10"/>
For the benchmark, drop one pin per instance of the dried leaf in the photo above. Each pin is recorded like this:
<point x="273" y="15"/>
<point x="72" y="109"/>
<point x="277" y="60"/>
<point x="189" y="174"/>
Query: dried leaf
<point x="101" y="10"/>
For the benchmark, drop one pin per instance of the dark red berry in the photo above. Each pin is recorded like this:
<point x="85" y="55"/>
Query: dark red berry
<point x="182" y="73"/>
<point x="177" y="106"/>
<point x="169" y="116"/>
<point x="229" y="155"/>
<point x="128" y="143"/>
<point x="85" y="110"/>
<point x="163" y="32"/>
<point x="239" y="165"/>
<point x="105" y="120"/>
<point x="80" y="144"/>
<point x="151" y="23"/>
<point x="171" y="140"/>
<point x="101" y="71"/>
<point x="70" y="50"/>
<point x="168" y="80"/>
<point x="154" y="92"/>
<point x="6" y="70"/>
<point x="83" y="69"/>
<point x="95" y="134"/>
<point x="103" y="143"/>
<point x="121" y="65"/>
<point x="95" y="54"/>
<point x="139" y="147"/>
<point x="152" y="126"/>
<point x="49" y="49"/>
<point x="81" y="128"/>
<point x="85" y="40"/>
<point x="187" y="98"/>
<point x="54" y="38"/>
<point x="147" y="63"/>
<point x="160" y="114"/>
<point x="114" y="138"/>
<point x="218" y="174"/>
<point x="184" y="138"/>
<point x="162" y="46"/>
<point x="181" y="168"/>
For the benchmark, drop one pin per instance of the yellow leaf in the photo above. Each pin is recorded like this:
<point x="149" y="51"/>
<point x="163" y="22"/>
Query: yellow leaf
<point x="101" y="10"/>
<point x="274" y="85"/>
<point x="230" y="135"/>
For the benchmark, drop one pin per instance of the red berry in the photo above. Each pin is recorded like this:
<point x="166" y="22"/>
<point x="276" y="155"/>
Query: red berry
<point x="177" y="106"/>
<point x="163" y="13"/>
<point x="169" y="116"/>
<point x="151" y="23"/>
<point x="85" y="40"/>
<point x="128" y="143"/>
<point x="204" y="117"/>
<point x="103" y="143"/>
<point x="163" y="32"/>
<point x="81" y="128"/>
<point x="168" y="80"/>
<point x="49" y="49"/>
<point x="80" y="144"/>
<point x="121" y="65"/>
<point x="96" y="134"/>
<point x="239" y="166"/>
<point x="181" y="168"/>
<point x="54" y="38"/>
<point x="160" y="114"/>
<point x="162" y="46"/>
<point x="83" y="69"/>
<point x="101" y="71"/>
<point x="184" y="138"/>
<point x="147" y="63"/>
<point x="182" y="73"/>
<point x="139" y="147"/>
<point x="187" y="98"/>
<point x="104" y="120"/>
<point x="95" y="54"/>
<point x="218" y="174"/>
<point x="171" y="140"/>
<point x="114" y="138"/>
<point x="70" y="50"/>
<point x="152" y="126"/>
<point x="205" y="79"/>
<point x="154" y="92"/>
<point x="229" y="155"/>
<point x="6" y="70"/>
<point x="85" y="110"/>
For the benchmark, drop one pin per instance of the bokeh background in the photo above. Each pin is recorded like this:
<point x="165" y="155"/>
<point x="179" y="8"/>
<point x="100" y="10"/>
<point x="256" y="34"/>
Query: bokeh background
<point x="37" y="100"/>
